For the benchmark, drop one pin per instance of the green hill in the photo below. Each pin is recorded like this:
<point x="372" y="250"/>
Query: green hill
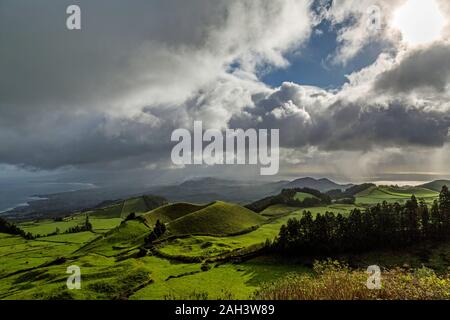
<point x="170" y="212"/>
<point x="136" y="205"/>
<point x="111" y="211"/>
<point x="122" y="208"/>
<point x="126" y="235"/>
<point x="436" y="185"/>
<point x="218" y="218"/>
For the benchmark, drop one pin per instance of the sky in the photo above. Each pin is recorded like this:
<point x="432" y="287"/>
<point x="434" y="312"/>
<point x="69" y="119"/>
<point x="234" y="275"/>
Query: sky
<point x="358" y="89"/>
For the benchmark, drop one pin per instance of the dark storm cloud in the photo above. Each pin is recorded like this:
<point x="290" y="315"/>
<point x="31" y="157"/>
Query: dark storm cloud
<point x="343" y="125"/>
<point x="427" y="68"/>
<point x="116" y="89"/>
<point x="44" y="64"/>
<point x="86" y="140"/>
<point x="54" y="83"/>
<point x="350" y="127"/>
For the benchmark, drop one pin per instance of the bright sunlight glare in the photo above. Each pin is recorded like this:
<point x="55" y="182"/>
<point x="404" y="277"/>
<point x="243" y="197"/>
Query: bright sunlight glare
<point x="419" y="21"/>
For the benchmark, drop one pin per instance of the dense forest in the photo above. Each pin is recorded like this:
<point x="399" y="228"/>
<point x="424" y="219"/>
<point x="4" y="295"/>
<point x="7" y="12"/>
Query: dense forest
<point x="381" y="226"/>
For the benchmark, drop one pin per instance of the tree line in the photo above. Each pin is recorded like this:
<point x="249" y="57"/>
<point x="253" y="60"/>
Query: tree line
<point x="381" y="226"/>
<point x="86" y="226"/>
<point x="11" y="228"/>
<point x="287" y="197"/>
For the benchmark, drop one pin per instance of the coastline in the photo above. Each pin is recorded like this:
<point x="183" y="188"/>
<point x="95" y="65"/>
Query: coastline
<point x="72" y="187"/>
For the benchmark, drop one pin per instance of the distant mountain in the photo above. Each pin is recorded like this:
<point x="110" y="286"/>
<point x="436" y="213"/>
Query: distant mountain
<point x="208" y="182"/>
<point x="436" y="185"/>
<point x="323" y="185"/>
<point x="204" y="190"/>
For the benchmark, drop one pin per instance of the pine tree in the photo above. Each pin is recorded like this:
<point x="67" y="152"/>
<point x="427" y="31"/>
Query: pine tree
<point x="158" y="230"/>
<point x="444" y="208"/>
<point x="425" y="219"/>
<point x="435" y="221"/>
<point x="87" y="224"/>
<point x="411" y="220"/>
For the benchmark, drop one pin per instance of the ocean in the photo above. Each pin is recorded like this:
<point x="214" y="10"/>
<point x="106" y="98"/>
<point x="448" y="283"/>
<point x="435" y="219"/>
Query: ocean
<point x="16" y="194"/>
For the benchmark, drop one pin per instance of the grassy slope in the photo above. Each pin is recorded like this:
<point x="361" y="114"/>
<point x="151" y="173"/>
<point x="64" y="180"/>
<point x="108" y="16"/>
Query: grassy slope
<point x="128" y="235"/>
<point x="136" y="205"/>
<point x="113" y="211"/>
<point x="17" y="253"/>
<point x="102" y="278"/>
<point x="436" y="185"/>
<point x="44" y="227"/>
<point x="376" y="195"/>
<point x="301" y="196"/>
<point x="122" y="209"/>
<point x="170" y="212"/>
<point x="218" y="218"/>
<point x="230" y="281"/>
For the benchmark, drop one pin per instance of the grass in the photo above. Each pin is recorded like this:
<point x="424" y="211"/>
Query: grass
<point x="101" y="278"/>
<point x="44" y="227"/>
<point x="136" y="205"/>
<point x="277" y="211"/>
<point x="125" y="237"/>
<point x="376" y="195"/>
<point x="103" y="225"/>
<point x="437" y="185"/>
<point x="145" y="278"/>
<point x="170" y="212"/>
<point x="17" y="253"/>
<point x="229" y="281"/>
<point x="121" y="209"/>
<point x="218" y="218"/>
<point x="301" y="196"/>
<point x="77" y="238"/>
<point x="112" y="211"/>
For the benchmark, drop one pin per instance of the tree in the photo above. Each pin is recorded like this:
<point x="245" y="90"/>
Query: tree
<point x="444" y="208"/>
<point x="87" y="224"/>
<point x="425" y="219"/>
<point x="131" y="216"/>
<point x="158" y="230"/>
<point x="411" y="220"/>
<point x="435" y="220"/>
